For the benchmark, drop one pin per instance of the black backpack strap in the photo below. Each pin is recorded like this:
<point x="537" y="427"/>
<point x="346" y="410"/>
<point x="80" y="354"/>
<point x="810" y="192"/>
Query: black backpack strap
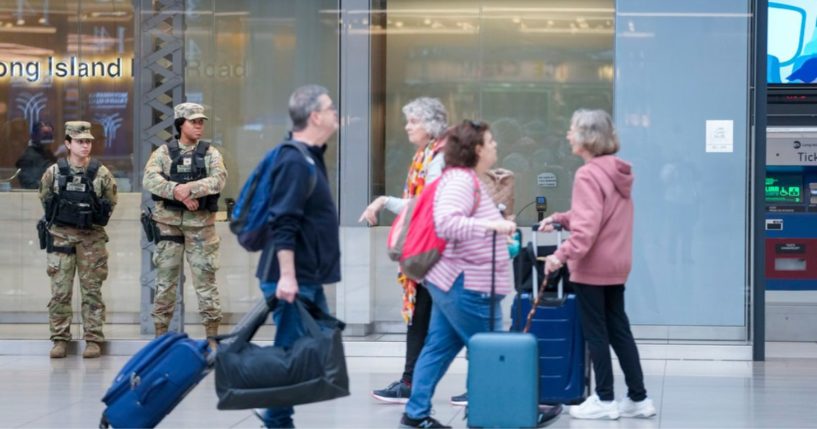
<point x="93" y="168"/>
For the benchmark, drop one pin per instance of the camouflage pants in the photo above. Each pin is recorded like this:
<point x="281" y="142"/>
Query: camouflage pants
<point x="90" y="262"/>
<point x="201" y="248"/>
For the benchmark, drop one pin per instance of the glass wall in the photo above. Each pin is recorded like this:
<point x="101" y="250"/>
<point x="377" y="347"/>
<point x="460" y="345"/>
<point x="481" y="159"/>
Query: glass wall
<point x="523" y="66"/>
<point x="60" y="61"/>
<point x="244" y="58"/>
<point x="66" y="61"/>
<point x="682" y="87"/>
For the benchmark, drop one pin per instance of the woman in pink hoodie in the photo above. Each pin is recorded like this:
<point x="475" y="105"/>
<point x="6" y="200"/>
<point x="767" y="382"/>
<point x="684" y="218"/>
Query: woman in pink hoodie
<point x="598" y="254"/>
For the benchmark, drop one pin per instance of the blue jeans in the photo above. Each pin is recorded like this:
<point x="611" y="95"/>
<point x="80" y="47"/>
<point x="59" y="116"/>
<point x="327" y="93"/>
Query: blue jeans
<point x="456" y="315"/>
<point x="289" y="328"/>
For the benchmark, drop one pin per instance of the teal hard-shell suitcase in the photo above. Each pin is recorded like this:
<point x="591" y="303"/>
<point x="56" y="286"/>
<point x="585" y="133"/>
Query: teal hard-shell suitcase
<point x="503" y="375"/>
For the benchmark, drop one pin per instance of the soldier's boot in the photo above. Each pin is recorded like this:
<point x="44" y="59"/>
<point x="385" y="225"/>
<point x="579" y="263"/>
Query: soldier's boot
<point x="92" y="350"/>
<point x="211" y="330"/>
<point x="160" y="329"/>
<point x="59" y="350"/>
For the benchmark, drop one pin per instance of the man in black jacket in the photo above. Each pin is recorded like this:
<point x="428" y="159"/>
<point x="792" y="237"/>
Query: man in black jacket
<point x="303" y="251"/>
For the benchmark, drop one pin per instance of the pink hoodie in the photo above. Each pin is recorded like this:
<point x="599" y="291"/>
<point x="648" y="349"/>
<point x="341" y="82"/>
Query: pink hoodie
<point x="600" y="220"/>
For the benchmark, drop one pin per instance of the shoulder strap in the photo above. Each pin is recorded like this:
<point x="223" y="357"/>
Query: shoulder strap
<point x="64" y="168"/>
<point x="477" y="193"/>
<point x="473" y="174"/>
<point x="93" y="168"/>
<point x="173" y="149"/>
<point x="313" y="176"/>
<point x="201" y="148"/>
<point x="201" y="152"/>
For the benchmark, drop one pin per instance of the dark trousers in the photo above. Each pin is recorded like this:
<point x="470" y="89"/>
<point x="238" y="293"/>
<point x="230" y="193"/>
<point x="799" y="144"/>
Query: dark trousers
<point x="417" y="331"/>
<point x="604" y="324"/>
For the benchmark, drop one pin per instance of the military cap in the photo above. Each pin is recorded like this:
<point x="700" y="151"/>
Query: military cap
<point x="79" y="130"/>
<point x="189" y="111"/>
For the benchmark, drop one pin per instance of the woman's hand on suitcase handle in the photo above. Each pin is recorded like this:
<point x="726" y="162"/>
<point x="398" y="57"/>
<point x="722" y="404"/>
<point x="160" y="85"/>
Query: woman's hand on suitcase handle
<point x="552" y="263"/>
<point x="548" y="225"/>
<point x="505" y="227"/>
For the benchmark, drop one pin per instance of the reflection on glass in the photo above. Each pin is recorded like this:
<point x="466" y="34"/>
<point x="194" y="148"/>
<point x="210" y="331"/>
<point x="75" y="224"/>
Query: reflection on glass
<point x="58" y="65"/>
<point x="522" y="66"/>
<point x="244" y="58"/>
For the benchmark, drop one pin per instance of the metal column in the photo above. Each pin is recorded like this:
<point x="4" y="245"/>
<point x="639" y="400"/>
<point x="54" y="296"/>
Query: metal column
<point x="159" y="80"/>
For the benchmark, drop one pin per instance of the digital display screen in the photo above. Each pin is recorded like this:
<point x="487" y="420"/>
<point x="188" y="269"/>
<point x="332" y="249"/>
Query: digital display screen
<point x="792" y="57"/>
<point x="784" y="188"/>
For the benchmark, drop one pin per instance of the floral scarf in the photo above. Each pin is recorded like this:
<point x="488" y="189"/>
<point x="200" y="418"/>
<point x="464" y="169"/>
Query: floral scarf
<point x="415" y="183"/>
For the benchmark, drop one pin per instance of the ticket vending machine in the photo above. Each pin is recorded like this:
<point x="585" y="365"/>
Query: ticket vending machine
<point x="791" y="208"/>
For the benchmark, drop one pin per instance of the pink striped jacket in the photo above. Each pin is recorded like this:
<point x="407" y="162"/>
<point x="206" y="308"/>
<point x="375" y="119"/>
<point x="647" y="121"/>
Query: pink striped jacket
<point x="469" y="243"/>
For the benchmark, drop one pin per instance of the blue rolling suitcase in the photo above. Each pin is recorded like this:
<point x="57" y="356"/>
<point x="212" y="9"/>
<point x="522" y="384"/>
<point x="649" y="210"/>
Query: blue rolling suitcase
<point x="159" y="376"/>
<point x="502" y="377"/>
<point x="155" y="380"/>
<point x="564" y="370"/>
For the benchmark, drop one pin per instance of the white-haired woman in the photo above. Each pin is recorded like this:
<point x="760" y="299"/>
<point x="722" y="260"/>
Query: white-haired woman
<point x="599" y="255"/>
<point x="426" y="121"/>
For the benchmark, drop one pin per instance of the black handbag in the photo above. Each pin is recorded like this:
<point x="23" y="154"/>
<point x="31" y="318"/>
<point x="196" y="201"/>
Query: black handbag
<point x="312" y="370"/>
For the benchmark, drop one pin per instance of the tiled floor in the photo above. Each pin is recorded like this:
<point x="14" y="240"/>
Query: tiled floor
<point x="41" y="393"/>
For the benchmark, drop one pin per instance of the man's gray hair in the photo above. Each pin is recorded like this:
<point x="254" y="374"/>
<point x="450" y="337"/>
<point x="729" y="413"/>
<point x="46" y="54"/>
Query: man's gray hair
<point x="594" y="130"/>
<point x="430" y="112"/>
<point x="302" y="103"/>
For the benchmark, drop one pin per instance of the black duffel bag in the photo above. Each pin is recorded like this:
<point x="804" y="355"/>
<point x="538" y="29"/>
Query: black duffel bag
<point x="312" y="370"/>
<point x="523" y="269"/>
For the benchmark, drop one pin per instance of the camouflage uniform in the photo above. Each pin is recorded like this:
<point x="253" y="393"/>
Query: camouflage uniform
<point x="201" y="243"/>
<point x="90" y="260"/>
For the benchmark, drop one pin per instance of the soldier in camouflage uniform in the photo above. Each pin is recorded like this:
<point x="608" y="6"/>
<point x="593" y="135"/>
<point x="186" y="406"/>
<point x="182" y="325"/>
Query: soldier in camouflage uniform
<point x="78" y="195"/>
<point x="185" y="178"/>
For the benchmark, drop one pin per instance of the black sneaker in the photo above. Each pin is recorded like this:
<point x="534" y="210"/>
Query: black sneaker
<point x="460" y="400"/>
<point x="425" y="422"/>
<point x="397" y="393"/>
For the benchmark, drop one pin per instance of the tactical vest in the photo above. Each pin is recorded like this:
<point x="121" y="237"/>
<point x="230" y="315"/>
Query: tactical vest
<point x="75" y="203"/>
<point x="185" y="168"/>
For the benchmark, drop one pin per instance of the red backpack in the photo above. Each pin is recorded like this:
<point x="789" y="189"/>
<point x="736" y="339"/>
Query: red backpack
<point x="413" y="241"/>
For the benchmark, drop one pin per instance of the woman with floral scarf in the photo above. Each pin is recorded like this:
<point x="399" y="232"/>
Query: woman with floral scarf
<point x="426" y="121"/>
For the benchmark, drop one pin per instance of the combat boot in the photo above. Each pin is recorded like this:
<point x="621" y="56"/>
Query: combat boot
<point x="211" y="330"/>
<point x="160" y="329"/>
<point x="59" y="350"/>
<point x="92" y="350"/>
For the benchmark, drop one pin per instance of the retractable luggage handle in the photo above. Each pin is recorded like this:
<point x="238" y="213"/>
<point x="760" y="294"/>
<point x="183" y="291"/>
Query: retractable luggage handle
<point x="560" y="289"/>
<point x="493" y="285"/>
<point x="541" y="290"/>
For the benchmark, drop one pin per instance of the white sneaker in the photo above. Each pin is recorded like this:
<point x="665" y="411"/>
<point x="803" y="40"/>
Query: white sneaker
<point x="641" y="409"/>
<point x="594" y="408"/>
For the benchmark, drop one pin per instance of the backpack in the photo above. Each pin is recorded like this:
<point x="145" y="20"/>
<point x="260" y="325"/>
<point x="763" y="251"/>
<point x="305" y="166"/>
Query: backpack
<point x="251" y="215"/>
<point x="413" y="241"/>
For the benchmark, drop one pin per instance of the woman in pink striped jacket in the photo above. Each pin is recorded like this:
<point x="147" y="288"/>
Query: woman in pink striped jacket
<point x="460" y="282"/>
